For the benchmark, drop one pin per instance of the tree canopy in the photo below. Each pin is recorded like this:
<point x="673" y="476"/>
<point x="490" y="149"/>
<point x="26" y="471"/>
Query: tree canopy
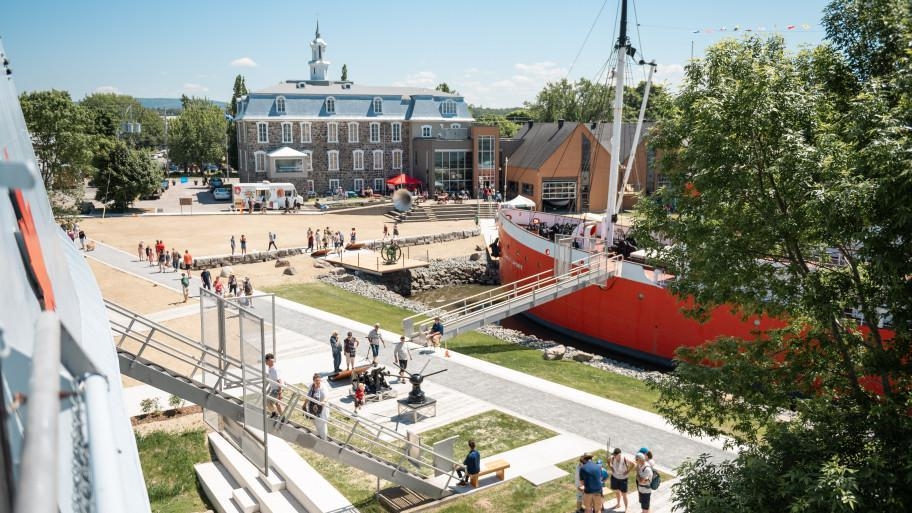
<point x="198" y="134"/>
<point x="109" y="111"/>
<point x="239" y="90"/>
<point x="124" y="173"/>
<point x="587" y="101"/>
<point x="61" y="134"/>
<point x="789" y="179"/>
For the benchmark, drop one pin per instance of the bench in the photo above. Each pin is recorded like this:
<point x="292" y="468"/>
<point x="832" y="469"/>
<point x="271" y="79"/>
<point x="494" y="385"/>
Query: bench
<point x="492" y="467"/>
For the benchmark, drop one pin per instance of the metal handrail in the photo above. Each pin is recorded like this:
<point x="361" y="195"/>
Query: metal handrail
<point x="597" y="263"/>
<point x="398" y="443"/>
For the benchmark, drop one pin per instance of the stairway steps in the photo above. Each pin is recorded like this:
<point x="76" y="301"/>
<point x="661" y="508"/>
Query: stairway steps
<point x="219" y="486"/>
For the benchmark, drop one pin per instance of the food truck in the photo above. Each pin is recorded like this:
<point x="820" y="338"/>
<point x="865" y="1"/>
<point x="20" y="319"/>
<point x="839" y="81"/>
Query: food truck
<point x="269" y="193"/>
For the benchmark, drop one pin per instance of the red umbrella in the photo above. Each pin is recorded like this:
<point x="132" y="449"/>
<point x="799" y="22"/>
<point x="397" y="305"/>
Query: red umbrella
<point x="403" y="179"/>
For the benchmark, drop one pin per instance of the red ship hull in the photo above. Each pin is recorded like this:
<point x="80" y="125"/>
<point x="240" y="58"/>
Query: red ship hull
<point x="630" y="313"/>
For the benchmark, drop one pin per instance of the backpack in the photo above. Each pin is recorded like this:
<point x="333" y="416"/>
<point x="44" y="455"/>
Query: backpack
<point x="656" y="479"/>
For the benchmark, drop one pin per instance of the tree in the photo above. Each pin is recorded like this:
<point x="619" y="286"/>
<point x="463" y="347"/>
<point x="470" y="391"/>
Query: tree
<point x="240" y="89"/>
<point x="507" y="128"/>
<point x="60" y="131"/>
<point x="587" y="101"/>
<point x="790" y="179"/>
<point x="198" y="133"/>
<point x="124" y="174"/>
<point x="443" y="87"/>
<point x="109" y="111"/>
<point x="344" y="72"/>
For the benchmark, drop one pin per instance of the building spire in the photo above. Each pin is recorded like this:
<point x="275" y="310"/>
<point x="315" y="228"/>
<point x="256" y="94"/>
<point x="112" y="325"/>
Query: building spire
<point x="317" y="35"/>
<point x="318" y="63"/>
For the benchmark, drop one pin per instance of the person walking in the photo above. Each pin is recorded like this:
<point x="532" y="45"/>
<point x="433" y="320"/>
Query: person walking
<point x="350" y="345"/>
<point x="385" y="231"/>
<point x="287" y="205"/>
<point x="206" y="276"/>
<point x="470" y="468"/>
<point x="232" y="245"/>
<point x="149" y="254"/>
<point x="188" y="261"/>
<point x="272" y="243"/>
<point x="310" y="239"/>
<point x="218" y="287"/>
<point x="232" y="285"/>
<point x="336" y="345"/>
<point x="163" y="261"/>
<point x="82" y="239"/>
<point x="402" y="354"/>
<point x="374" y="339"/>
<point x="620" y="468"/>
<point x="243" y="244"/>
<point x="175" y="259"/>
<point x="644" y="480"/>
<point x="396" y="230"/>
<point x="185" y="286"/>
<point x="140" y="250"/>
<point x="353" y="236"/>
<point x="248" y="287"/>
<point x="274" y="388"/>
<point x="315" y="405"/>
<point x="590" y="483"/>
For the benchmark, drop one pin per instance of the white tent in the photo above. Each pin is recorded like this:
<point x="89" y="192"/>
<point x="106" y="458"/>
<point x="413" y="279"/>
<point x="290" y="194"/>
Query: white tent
<point x="520" y="202"/>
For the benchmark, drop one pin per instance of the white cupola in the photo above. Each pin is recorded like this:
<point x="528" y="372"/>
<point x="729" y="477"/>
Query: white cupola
<point x="318" y="65"/>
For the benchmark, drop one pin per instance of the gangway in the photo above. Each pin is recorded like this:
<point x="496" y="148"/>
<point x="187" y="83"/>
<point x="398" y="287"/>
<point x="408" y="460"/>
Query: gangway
<point x="160" y="357"/>
<point x="496" y="304"/>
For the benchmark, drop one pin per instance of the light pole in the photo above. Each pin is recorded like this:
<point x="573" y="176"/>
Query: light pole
<point x="505" y="169"/>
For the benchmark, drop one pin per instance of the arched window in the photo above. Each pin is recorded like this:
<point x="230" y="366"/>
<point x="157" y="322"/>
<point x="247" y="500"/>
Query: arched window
<point x="378" y="105"/>
<point x="330" y="105"/>
<point x="280" y="105"/>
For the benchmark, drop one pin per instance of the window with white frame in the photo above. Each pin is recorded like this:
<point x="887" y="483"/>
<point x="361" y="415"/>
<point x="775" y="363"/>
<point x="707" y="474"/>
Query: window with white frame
<point x="455" y="125"/>
<point x="330" y="105"/>
<point x="396" y="132"/>
<point x="358" y="185"/>
<point x="353" y="132"/>
<point x="378" y="105"/>
<point x="332" y="132"/>
<point x="308" y="162"/>
<point x="375" y="132"/>
<point x="262" y="132"/>
<point x="448" y="108"/>
<point x="280" y="105"/>
<point x="332" y="160"/>
<point x="305" y="132"/>
<point x="334" y="184"/>
<point x="425" y="130"/>
<point x="378" y="185"/>
<point x="358" y="160"/>
<point x="310" y="186"/>
<point x="397" y="159"/>
<point x="260" y="157"/>
<point x="378" y="160"/>
<point x="286" y="132"/>
<point x="558" y="190"/>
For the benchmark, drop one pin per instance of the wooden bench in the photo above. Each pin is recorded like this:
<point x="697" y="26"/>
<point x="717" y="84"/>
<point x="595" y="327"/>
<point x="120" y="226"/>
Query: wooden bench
<point x="492" y="467"/>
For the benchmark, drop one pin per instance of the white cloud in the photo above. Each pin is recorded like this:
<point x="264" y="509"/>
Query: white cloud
<point x="420" y="79"/>
<point x="519" y="84"/>
<point x="243" y="62"/>
<point x="195" y="88"/>
<point x="672" y="75"/>
<point x="107" y="89"/>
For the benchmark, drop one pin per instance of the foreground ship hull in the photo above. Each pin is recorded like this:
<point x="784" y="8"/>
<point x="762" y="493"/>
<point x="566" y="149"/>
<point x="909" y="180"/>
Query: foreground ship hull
<point x="633" y="314"/>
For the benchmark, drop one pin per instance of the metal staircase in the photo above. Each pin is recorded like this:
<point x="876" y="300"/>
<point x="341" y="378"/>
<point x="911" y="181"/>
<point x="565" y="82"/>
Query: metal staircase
<point x="494" y="305"/>
<point x="160" y="357"/>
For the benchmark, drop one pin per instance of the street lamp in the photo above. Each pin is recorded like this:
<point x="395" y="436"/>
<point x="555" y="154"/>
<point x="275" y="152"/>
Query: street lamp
<point x="505" y="169"/>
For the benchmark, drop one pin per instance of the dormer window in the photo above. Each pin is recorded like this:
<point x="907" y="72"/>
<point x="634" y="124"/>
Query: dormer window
<point x="378" y="105"/>
<point x="280" y="105"/>
<point x="448" y="108"/>
<point x="330" y="105"/>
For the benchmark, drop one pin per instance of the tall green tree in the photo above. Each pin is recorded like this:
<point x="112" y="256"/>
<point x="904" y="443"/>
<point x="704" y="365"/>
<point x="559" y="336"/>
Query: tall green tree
<point x="784" y="171"/>
<point x="344" y="72"/>
<point x="588" y="101"/>
<point x="240" y="89"/>
<point x="109" y="112"/>
<point x="124" y="174"/>
<point x="198" y="134"/>
<point x="60" y="131"/>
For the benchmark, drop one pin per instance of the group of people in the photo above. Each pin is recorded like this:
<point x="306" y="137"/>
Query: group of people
<point x="233" y="243"/>
<point x="322" y="239"/>
<point x="74" y="232"/>
<point x="591" y="477"/>
<point x="349" y="347"/>
<point x="158" y="254"/>
<point x="314" y="404"/>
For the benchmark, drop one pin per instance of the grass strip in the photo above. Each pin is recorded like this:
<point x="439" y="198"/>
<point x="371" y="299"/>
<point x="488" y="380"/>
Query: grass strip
<point x="167" y="463"/>
<point x="582" y="377"/>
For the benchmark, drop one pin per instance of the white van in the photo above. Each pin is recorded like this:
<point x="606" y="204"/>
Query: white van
<point x="272" y="194"/>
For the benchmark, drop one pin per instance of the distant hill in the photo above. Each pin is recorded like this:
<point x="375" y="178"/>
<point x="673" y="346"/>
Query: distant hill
<point x="168" y="104"/>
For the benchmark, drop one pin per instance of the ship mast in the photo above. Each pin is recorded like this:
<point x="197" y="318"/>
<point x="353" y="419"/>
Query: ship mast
<point x="623" y="47"/>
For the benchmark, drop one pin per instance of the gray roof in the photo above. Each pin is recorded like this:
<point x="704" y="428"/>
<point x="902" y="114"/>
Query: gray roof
<point x="353" y="101"/>
<point x="538" y="142"/>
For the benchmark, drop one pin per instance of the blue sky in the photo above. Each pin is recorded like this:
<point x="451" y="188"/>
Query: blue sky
<point x="496" y="54"/>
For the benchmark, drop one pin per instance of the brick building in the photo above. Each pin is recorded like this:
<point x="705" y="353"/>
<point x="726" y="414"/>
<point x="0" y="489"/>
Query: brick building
<point x="321" y="134"/>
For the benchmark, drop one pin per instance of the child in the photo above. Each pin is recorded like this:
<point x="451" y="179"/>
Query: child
<point x="359" y="396"/>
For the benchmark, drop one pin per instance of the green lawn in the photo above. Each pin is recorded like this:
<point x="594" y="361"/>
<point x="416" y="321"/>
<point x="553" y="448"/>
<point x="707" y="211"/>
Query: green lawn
<point x="167" y="463"/>
<point x="573" y="374"/>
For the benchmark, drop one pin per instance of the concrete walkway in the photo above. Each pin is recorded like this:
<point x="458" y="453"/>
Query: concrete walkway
<point x="467" y="387"/>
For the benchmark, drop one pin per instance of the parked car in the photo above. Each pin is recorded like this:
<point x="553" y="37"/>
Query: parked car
<point x="221" y="193"/>
<point x="165" y="184"/>
<point x="215" y="183"/>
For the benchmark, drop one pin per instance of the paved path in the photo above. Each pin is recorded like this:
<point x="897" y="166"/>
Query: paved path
<point x="558" y="407"/>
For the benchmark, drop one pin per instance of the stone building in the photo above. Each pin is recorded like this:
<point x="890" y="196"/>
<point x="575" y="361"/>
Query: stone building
<point x="323" y="134"/>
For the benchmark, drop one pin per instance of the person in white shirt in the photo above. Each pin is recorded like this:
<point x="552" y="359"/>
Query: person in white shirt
<point x="644" y="478"/>
<point x="620" y="468"/>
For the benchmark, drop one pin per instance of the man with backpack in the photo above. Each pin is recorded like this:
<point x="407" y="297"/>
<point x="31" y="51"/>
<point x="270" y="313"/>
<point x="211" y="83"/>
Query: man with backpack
<point x="646" y="480"/>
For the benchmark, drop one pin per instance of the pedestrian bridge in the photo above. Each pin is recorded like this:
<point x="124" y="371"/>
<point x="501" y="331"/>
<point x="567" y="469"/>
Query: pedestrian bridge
<point x="497" y="304"/>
